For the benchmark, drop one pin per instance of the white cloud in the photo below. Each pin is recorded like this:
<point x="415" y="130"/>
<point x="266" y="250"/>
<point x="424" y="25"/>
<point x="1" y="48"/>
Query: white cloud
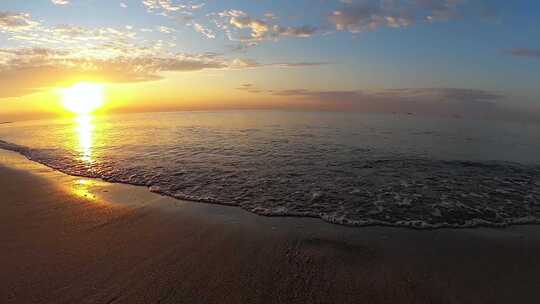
<point x="60" y="2"/>
<point x="28" y="70"/>
<point x="208" y="33"/>
<point x="165" y="29"/>
<point x="66" y="35"/>
<point x="166" y="7"/>
<point x="258" y="29"/>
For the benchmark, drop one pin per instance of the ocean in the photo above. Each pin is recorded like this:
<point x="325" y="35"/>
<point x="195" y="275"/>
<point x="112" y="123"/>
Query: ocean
<point x="345" y="168"/>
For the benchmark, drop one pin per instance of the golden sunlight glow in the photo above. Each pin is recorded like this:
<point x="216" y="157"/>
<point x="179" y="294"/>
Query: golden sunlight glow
<point x="83" y="98"/>
<point x="85" y="129"/>
<point x="82" y="188"/>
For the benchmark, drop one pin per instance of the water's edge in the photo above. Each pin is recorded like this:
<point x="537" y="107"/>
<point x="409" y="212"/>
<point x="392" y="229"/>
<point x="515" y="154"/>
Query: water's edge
<point x="419" y="225"/>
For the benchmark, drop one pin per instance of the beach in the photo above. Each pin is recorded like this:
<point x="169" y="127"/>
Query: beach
<point x="68" y="239"/>
<point x="269" y="152"/>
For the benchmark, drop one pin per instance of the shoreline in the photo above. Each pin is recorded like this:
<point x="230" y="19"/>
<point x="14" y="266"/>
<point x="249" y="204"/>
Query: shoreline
<point x="76" y="240"/>
<point x="415" y="225"/>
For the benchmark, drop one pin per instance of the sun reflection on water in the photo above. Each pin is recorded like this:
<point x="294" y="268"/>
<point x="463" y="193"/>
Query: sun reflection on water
<point x="85" y="129"/>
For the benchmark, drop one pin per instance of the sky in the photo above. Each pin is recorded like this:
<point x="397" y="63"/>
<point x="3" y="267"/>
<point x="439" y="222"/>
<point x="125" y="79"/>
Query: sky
<point x="461" y="58"/>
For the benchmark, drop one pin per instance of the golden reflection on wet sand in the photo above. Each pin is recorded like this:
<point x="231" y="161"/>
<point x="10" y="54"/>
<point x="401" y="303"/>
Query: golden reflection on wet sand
<point x="82" y="188"/>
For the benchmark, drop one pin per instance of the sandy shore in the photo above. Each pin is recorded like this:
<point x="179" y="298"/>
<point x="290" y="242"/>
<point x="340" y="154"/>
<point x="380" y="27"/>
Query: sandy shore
<point x="65" y="239"/>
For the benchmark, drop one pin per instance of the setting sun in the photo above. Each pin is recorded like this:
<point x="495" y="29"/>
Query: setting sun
<point x="83" y="98"/>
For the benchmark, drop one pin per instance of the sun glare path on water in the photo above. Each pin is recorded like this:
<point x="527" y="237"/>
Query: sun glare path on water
<point x="83" y="98"/>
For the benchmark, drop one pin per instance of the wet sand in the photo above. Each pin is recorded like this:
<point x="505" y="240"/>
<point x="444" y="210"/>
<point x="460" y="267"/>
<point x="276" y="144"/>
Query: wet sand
<point x="66" y="239"/>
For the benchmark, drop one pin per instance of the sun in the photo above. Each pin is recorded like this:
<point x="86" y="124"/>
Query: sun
<point x="83" y="98"/>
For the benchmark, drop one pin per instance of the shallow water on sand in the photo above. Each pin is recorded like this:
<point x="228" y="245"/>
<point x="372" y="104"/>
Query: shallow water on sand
<point x="353" y="169"/>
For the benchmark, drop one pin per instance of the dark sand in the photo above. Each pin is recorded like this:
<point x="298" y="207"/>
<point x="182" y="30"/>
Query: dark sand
<point x="69" y="240"/>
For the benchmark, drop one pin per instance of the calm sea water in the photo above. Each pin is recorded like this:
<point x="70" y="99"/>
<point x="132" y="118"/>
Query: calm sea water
<point x="353" y="169"/>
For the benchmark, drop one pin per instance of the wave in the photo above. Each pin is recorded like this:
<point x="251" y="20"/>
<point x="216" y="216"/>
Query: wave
<point x="404" y="192"/>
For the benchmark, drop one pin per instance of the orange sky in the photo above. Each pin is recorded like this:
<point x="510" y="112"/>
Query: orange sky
<point x="430" y="57"/>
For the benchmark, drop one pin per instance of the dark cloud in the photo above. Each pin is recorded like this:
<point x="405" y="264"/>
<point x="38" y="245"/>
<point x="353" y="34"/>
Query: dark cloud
<point x="370" y="15"/>
<point x="297" y="64"/>
<point x="442" y="102"/>
<point x="250" y="88"/>
<point x="407" y="94"/>
<point x="303" y="31"/>
<point x="525" y="52"/>
<point x="443" y="94"/>
<point x="440" y="10"/>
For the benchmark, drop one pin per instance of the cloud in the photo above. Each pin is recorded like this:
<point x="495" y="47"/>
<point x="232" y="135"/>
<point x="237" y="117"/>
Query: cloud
<point x="408" y="94"/>
<point x="442" y="102"/>
<point x="20" y="28"/>
<point x="525" y="52"/>
<point x="237" y="19"/>
<point x="258" y="29"/>
<point x="181" y="13"/>
<point x="68" y="33"/>
<point x="166" y="7"/>
<point x="440" y="10"/>
<point x="208" y="33"/>
<point x="371" y="15"/>
<point x="297" y="64"/>
<point x="247" y="63"/>
<point x="303" y="31"/>
<point x="60" y="2"/>
<point x="165" y="29"/>
<point x="236" y="24"/>
<point x="442" y="94"/>
<point x="28" y="70"/>
<point x="12" y="22"/>
<point x="249" y="88"/>
<point x="368" y="17"/>
<point x="355" y="16"/>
